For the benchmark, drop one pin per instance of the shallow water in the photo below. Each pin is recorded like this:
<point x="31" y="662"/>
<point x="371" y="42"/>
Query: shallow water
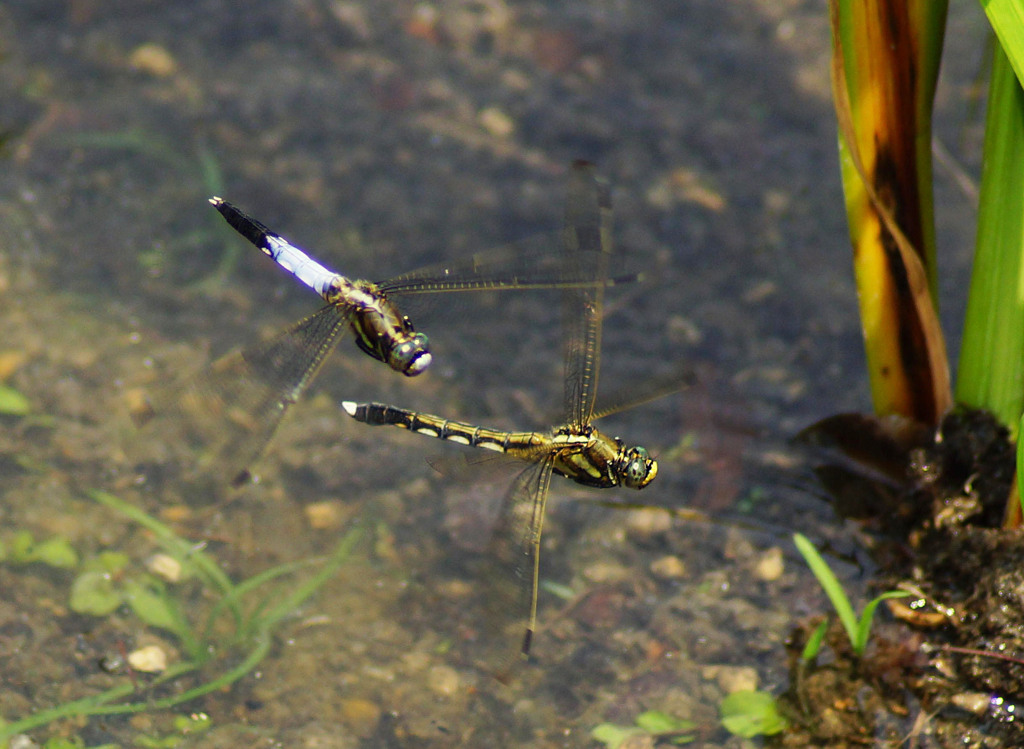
<point x="382" y="137"/>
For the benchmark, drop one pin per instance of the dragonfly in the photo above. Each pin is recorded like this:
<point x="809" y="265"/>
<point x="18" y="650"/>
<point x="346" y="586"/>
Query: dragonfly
<point x="255" y="386"/>
<point x="575" y="450"/>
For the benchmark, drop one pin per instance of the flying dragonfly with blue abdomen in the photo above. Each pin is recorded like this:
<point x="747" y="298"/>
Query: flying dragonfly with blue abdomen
<point x="575" y="449"/>
<point x="254" y="387"/>
<point x="380" y="329"/>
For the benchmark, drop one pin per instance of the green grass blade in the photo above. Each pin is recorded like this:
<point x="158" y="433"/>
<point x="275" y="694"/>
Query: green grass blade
<point x="205" y="566"/>
<point x="234" y="598"/>
<point x="868" y="616"/>
<point x="213" y="182"/>
<point x="87" y="705"/>
<point x="257" y="654"/>
<point x="829" y="583"/>
<point x="992" y="356"/>
<point x="813" y="645"/>
<point x="341" y="554"/>
<point x="151" y="602"/>
<point x="1007" y="19"/>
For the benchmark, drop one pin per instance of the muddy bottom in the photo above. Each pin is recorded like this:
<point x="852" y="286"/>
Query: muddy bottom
<point x="945" y="669"/>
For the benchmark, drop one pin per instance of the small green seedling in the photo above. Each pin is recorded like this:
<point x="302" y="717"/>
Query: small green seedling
<point x="184" y="726"/>
<point x="53" y="552"/>
<point x="59" y="742"/>
<point x="659" y="726"/>
<point x="813" y="645"/>
<point x="13" y="403"/>
<point x="748" y="713"/>
<point x="256" y="607"/>
<point x="858" y="630"/>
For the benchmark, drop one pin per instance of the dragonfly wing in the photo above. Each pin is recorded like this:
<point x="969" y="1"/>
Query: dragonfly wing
<point x="587" y="235"/>
<point x="538" y="262"/>
<point x="679" y="378"/>
<point x="233" y="407"/>
<point x="510" y="573"/>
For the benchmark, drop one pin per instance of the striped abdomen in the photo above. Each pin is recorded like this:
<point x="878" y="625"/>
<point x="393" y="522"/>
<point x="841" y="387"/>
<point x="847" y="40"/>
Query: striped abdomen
<point x="523" y="445"/>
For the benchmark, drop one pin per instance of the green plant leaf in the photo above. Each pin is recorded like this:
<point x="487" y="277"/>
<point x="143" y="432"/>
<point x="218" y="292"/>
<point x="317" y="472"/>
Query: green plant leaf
<point x="111" y="562"/>
<point x="151" y="606"/>
<point x="94" y="593"/>
<point x="192" y="723"/>
<point x="56" y="552"/>
<point x="13" y="403"/>
<point x="655" y="721"/>
<point x="59" y="742"/>
<point x="748" y="713"/>
<point x="613" y="736"/>
<point x="885" y="62"/>
<point x="991" y="364"/>
<point x="204" y="565"/>
<point x="1007" y="19"/>
<point x="813" y="645"/>
<point x="21" y="547"/>
<point x="830" y="584"/>
<point x="868" y="616"/>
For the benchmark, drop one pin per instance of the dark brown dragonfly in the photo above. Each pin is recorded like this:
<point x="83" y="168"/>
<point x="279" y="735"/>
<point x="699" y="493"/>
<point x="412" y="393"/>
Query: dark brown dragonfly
<point x="576" y="449"/>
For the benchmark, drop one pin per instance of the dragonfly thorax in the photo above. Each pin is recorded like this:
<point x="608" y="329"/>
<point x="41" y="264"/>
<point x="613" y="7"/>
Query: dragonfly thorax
<point x="592" y="458"/>
<point x="380" y="329"/>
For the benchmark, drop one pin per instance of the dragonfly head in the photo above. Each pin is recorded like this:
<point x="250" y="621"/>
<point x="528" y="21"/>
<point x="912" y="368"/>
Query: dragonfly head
<point x="411" y="356"/>
<point x="637" y="468"/>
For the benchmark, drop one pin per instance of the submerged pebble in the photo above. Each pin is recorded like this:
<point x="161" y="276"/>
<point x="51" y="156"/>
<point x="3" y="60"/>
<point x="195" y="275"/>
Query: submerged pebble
<point x="153" y="59"/>
<point x="668" y="567"/>
<point x="732" y="678"/>
<point x="770" y="565"/>
<point x="444" y="680"/>
<point x="150" y="660"/>
<point x="165" y="566"/>
<point x="361" y="715"/>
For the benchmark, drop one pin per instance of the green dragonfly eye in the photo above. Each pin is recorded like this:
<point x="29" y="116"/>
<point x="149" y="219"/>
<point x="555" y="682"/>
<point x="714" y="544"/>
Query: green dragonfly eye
<point x="640" y="469"/>
<point x="412" y="356"/>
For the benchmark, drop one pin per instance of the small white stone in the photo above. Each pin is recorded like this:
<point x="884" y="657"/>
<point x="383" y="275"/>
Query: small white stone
<point x="325" y="515"/>
<point x="150" y="660"/>
<point x="771" y="565"/>
<point x="496" y="122"/>
<point x="977" y="703"/>
<point x="165" y="566"/>
<point x="732" y="678"/>
<point x="668" y="567"/>
<point x="444" y="680"/>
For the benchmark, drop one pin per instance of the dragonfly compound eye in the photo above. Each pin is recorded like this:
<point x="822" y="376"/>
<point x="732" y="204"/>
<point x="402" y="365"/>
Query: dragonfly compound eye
<point x="412" y="357"/>
<point x="639" y="469"/>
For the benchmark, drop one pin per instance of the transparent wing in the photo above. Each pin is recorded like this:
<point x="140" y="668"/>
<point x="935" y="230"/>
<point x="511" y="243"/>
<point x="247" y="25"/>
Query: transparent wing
<point x="539" y="262"/>
<point x="679" y="378"/>
<point x="586" y="236"/>
<point x="510" y="571"/>
<point x="232" y="408"/>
